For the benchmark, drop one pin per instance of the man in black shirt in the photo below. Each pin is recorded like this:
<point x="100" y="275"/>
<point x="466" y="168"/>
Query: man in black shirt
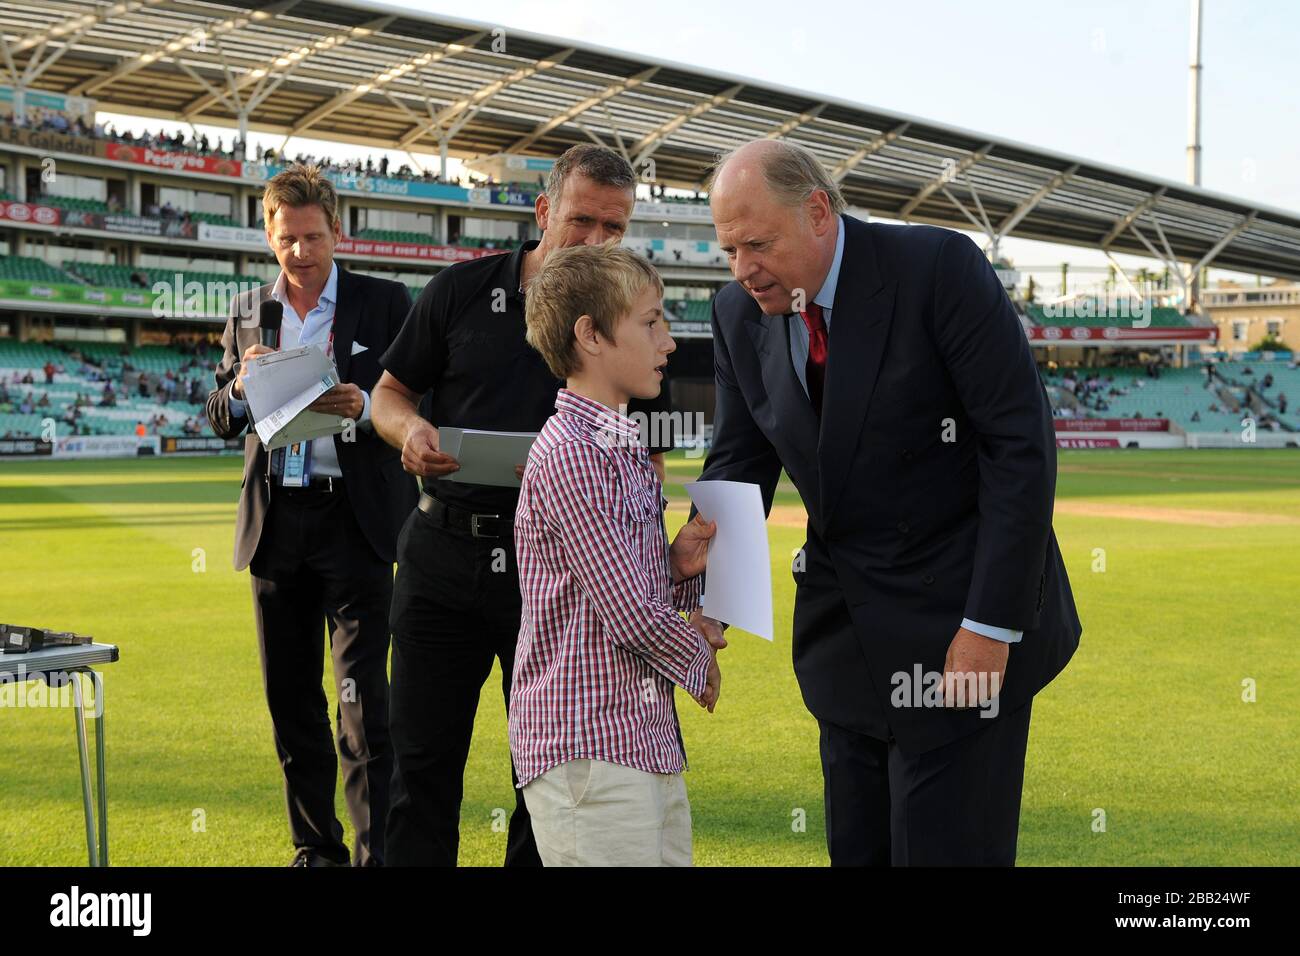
<point x="456" y="599"/>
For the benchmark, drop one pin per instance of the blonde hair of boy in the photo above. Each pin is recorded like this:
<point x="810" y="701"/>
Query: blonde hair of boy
<point x="601" y="281"/>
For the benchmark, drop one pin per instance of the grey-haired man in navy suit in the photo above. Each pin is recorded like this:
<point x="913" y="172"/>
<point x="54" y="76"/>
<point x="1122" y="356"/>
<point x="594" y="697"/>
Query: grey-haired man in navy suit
<point x="884" y="368"/>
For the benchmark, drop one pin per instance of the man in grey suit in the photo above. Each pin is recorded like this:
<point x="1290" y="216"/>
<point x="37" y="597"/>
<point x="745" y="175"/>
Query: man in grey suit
<point x="317" y="525"/>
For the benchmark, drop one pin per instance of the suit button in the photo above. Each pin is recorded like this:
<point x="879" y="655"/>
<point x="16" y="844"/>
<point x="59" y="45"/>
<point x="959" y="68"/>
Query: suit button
<point x="928" y="579"/>
<point x="903" y="527"/>
<point x="907" y="455"/>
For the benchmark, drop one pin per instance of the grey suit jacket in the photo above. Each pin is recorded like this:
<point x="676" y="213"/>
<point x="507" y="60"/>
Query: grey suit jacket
<point x="369" y="311"/>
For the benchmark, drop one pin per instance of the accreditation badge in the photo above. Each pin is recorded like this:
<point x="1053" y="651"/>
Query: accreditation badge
<point x="297" y="465"/>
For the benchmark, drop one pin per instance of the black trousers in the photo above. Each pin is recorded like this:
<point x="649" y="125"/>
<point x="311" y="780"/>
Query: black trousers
<point x="314" y="568"/>
<point x="456" y="606"/>
<point x="956" y="805"/>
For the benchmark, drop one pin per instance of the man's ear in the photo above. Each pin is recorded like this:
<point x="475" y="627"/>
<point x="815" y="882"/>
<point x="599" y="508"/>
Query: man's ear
<point x="542" y="210"/>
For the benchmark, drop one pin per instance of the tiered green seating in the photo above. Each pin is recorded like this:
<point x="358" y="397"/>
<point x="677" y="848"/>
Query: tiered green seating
<point x="1176" y="395"/>
<point x="397" y="235"/>
<point x="119" y="277"/>
<point x="118" y="420"/>
<point x="213" y="218"/>
<point x="695" y="310"/>
<point x="1286" y="381"/>
<point x="29" y="269"/>
<point x="30" y="355"/>
<point x="68" y="202"/>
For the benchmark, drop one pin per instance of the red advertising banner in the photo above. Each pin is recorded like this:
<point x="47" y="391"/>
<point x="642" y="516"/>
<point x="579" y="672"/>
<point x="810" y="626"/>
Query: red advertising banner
<point x="1111" y="333"/>
<point x="411" y="250"/>
<point x="176" y="162"/>
<point x="27" y="212"/>
<point x="1111" y="424"/>
<point x="1087" y="442"/>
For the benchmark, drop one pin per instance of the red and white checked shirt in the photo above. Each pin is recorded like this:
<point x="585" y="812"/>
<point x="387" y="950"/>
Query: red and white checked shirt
<point x="601" y="643"/>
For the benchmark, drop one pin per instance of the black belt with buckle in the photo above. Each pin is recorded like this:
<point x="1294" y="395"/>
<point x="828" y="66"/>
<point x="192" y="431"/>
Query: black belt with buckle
<point x="479" y="525"/>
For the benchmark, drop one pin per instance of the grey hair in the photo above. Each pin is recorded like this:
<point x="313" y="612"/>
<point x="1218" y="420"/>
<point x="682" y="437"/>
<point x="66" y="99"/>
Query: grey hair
<point x="792" y="172"/>
<point x="600" y="164"/>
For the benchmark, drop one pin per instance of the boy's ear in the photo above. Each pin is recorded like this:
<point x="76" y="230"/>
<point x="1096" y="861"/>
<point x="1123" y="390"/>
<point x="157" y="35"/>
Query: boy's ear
<point x="585" y="335"/>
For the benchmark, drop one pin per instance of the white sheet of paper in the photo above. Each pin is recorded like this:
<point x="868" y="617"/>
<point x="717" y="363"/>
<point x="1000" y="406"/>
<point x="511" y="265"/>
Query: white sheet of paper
<point x="486" y="458"/>
<point x="738" y="582"/>
<point x="278" y="390"/>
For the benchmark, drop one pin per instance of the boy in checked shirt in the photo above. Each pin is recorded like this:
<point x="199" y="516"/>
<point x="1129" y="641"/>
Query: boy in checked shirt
<point x="593" y="723"/>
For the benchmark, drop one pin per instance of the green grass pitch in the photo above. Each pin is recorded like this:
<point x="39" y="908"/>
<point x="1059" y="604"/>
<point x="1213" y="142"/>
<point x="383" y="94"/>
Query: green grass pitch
<point x="1146" y="731"/>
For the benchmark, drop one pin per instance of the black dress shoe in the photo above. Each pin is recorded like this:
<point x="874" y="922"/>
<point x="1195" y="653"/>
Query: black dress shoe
<point x="308" y="856"/>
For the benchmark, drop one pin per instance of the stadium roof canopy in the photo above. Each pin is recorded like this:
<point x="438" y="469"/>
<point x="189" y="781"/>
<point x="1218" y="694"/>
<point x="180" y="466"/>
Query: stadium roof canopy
<point x="365" y="73"/>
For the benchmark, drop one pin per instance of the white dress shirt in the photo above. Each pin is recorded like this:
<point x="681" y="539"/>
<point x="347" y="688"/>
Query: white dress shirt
<point x="314" y="330"/>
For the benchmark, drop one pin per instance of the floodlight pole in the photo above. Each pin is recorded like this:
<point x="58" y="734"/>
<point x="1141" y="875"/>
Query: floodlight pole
<point x="1194" y="134"/>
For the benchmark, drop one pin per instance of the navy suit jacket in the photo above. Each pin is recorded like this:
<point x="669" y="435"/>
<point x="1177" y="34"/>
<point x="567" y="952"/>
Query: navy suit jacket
<point x="928" y="480"/>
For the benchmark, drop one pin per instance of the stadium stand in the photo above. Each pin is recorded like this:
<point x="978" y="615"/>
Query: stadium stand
<point x="119" y="277"/>
<point x="97" y="388"/>
<point x="71" y="203"/>
<point x="397" y="235"/>
<point x="1275" y="385"/>
<point x="29" y="269"/>
<point x="1179" y="395"/>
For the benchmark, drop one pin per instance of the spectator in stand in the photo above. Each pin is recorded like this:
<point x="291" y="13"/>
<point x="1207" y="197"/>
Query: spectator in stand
<point x="49" y="372"/>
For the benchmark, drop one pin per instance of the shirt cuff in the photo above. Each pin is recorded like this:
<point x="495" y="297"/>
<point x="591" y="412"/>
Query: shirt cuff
<point x="238" y="407"/>
<point x="686" y="594"/>
<point x="1004" y="634"/>
<point x="365" y="410"/>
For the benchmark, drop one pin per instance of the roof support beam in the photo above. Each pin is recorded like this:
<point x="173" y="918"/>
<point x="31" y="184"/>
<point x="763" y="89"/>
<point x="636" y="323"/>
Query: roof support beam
<point x="652" y="140"/>
<point x="555" y="122"/>
<point x="481" y="96"/>
<point x="1130" y="217"/>
<point x="850" y="162"/>
<point x="1228" y="236"/>
<point x="1031" y="202"/>
<point x="795" y="122"/>
<point x="314" y="116"/>
<point x="178" y="43"/>
<point x="948" y="175"/>
<point x="287" y="61"/>
<point x="79" y="25"/>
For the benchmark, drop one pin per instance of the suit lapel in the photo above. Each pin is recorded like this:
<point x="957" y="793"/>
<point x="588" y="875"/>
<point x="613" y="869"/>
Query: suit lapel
<point x="860" y="321"/>
<point x="796" y="420"/>
<point x="347" y="314"/>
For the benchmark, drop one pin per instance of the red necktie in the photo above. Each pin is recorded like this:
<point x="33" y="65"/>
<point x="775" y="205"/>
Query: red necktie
<point x="815" y="370"/>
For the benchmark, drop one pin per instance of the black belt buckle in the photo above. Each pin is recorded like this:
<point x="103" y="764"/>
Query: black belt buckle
<point x="473" y="526"/>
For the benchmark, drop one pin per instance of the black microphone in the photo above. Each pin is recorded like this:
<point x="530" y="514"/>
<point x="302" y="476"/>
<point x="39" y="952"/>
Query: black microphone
<point x="269" y="316"/>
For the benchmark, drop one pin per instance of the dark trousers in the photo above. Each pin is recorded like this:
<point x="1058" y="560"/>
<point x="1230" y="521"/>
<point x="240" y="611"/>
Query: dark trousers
<point x="456" y="606"/>
<point x="314" y="567"/>
<point x="956" y="805"/>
